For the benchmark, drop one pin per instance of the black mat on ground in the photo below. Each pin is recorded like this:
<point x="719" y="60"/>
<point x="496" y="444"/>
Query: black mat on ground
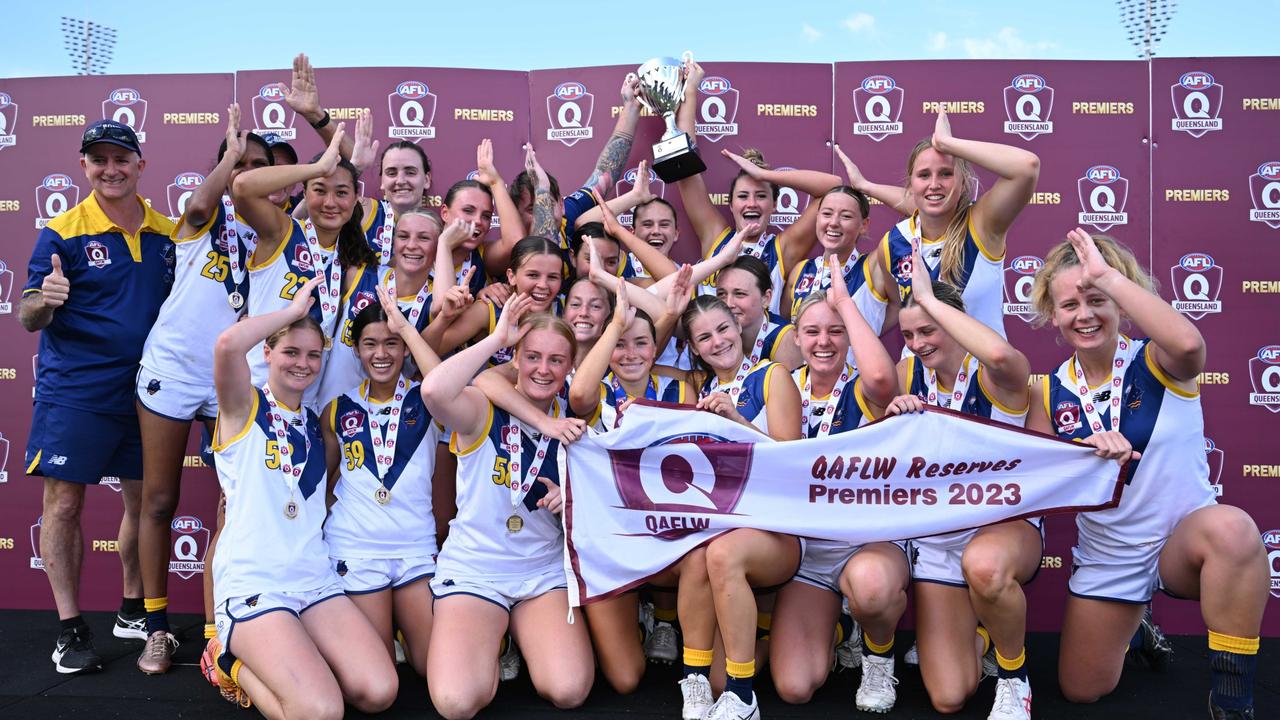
<point x="30" y="688"/>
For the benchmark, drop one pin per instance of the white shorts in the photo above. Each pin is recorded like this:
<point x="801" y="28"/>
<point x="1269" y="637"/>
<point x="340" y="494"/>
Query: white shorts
<point x="368" y="575"/>
<point x="505" y="592"/>
<point x="937" y="558"/>
<point x="823" y="562"/>
<point x="247" y="607"/>
<point x="180" y="400"/>
<point x="1127" y="574"/>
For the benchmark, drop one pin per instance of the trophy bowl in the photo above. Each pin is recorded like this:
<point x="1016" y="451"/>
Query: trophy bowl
<point x="661" y="90"/>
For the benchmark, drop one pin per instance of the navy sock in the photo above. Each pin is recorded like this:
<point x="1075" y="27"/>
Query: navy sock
<point x="131" y="606"/>
<point x="157" y="620"/>
<point x="1232" y="679"/>
<point x="742" y="687"/>
<point x="73" y="623"/>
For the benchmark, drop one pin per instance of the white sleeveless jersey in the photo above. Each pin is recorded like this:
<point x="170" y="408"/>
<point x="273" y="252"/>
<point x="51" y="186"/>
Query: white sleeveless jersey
<point x="479" y="541"/>
<point x="754" y="396"/>
<point x="180" y="344"/>
<point x="273" y="283"/>
<point x="261" y="550"/>
<point x="359" y="526"/>
<point x="1161" y="421"/>
<point x="342" y="369"/>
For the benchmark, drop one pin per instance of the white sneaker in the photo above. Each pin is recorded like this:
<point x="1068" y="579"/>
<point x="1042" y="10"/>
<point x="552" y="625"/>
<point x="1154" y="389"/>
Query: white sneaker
<point x="877" y="692"/>
<point x="849" y="652"/>
<point x="913" y="656"/>
<point x="1013" y="700"/>
<point x="696" y="690"/>
<point x="989" y="666"/>
<point x="731" y="707"/>
<point x="662" y="644"/>
<point x="509" y="663"/>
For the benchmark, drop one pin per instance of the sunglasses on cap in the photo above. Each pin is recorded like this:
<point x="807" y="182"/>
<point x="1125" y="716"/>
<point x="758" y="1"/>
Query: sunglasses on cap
<point x="110" y="132"/>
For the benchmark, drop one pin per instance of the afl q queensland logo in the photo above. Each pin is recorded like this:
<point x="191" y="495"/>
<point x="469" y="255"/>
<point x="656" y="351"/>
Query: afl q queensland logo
<point x="1264" y="189"/>
<point x="1103" y="194"/>
<point x="55" y="195"/>
<point x="788" y="207"/>
<point x="190" y="543"/>
<point x="1028" y="103"/>
<point x="878" y="105"/>
<point x="8" y="121"/>
<point x="628" y="181"/>
<point x="1018" y="279"/>
<point x="569" y="109"/>
<point x="413" y="111"/>
<point x="271" y="114"/>
<point x="126" y="106"/>
<point x="1264" y="374"/>
<point x="1197" y="281"/>
<point x="1271" y="539"/>
<point x="682" y="480"/>
<point x="38" y="564"/>
<point x="717" y="108"/>
<point x="179" y="192"/>
<point x="1197" y="100"/>
<point x="1216" y="459"/>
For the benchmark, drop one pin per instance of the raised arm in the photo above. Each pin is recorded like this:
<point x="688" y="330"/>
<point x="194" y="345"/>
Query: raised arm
<point x="636" y="295"/>
<point x="584" y="392"/>
<point x="497" y="255"/>
<point x="893" y="196"/>
<point x="875" y="368"/>
<point x="616" y="150"/>
<point x="544" y="215"/>
<point x="702" y="270"/>
<point x="251" y="189"/>
<point x="798" y="239"/>
<point x="654" y="260"/>
<point x="460" y="319"/>
<point x="203" y="204"/>
<point x="707" y="221"/>
<point x="443" y="275"/>
<point x="303" y="97"/>
<point x="1018" y="171"/>
<point x="423" y="356"/>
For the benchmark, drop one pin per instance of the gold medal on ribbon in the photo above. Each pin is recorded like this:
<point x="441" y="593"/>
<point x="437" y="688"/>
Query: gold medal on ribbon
<point x="291" y="510"/>
<point x="382" y="495"/>
<point x="515" y="524"/>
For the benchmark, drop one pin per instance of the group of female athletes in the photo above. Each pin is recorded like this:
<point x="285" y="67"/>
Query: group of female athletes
<point x="340" y="430"/>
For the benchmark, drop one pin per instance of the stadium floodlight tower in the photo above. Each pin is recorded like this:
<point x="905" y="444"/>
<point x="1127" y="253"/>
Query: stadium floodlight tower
<point x="89" y="45"/>
<point x="1145" y="22"/>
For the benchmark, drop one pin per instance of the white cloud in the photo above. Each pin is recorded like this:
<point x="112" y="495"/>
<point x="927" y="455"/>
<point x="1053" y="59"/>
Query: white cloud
<point x="938" y="41"/>
<point x="811" y="33"/>
<point x="1007" y="42"/>
<point x="860" y="22"/>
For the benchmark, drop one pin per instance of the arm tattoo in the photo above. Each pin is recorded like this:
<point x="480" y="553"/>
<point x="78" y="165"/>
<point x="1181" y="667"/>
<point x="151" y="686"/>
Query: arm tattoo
<point x="544" y="217"/>
<point x="612" y="158"/>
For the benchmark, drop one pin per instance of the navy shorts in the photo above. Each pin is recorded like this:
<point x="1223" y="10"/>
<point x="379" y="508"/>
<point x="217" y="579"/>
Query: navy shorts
<point x="81" y="446"/>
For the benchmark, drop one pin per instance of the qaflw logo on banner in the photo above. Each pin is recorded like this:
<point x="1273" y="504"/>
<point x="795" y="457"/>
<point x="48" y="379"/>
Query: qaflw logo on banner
<point x="718" y="108"/>
<point x="126" y="106"/>
<point x="1264" y="189"/>
<point x="569" y="109"/>
<point x="413" y="111"/>
<point x="55" y="195"/>
<point x="878" y="105"/>
<point x="1197" y="100"/>
<point x="1264" y="374"/>
<point x="679" y="475"/>
<point x="1028" y="103"/>
<point x="271" y="114"/>
<point x="1103" y="194"/>
<point x="8" y="121"/>
<point x="1018" y="279"/>
<point x="1197" y="281"/>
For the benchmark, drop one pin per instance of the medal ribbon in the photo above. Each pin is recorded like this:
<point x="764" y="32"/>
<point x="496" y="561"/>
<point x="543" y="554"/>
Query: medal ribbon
<point x="275" y="417"/>
<point x="331" y="289"/>
<point x="232" y="232"/>
<point x="809" y="406"/>
<point x="383" y="428"/>
<point x="958" y="389"/>
<point x="1118" y="366"/>
<point x="386" y="233"/>
<point x="522" y="483"/>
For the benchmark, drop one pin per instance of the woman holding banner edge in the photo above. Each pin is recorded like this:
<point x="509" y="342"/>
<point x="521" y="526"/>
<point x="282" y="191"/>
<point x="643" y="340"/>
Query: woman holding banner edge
<point x="1168" y="532"/>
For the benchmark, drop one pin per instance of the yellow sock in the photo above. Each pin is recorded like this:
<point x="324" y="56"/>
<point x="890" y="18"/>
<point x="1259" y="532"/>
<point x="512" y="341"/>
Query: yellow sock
<point x="697" y="658"/>
<point x="740" y="669"/>
<point x="665" y="615"/>
<point x="986" y="639"/>
<point x="764" y="621"/>
<point x="210" y="631"/>
<point x="155" y="604"/>
<point x="875" y="647"/>
<point x="1228" y="643"/>
<point x="1014" y="664"/>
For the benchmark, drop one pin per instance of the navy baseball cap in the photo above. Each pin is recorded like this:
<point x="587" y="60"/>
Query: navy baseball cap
<point x="110" y="131"/>
<point x="274" y="141"/>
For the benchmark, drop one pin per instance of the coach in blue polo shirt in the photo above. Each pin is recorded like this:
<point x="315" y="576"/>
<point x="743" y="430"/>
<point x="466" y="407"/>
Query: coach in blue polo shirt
<point x="95" y="282"/>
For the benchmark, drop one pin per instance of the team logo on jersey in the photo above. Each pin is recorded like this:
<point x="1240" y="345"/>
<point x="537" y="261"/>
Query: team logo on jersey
<point x="362" y="300"/>
<point x="413" y="111"/>
<point x="271" y="114"/>
<point x="717" y="108"/>
<point x="1271" y="539"/>
<point x="1264" y="374"/>
<point x="190" y="543"/>
<point x="788" y="207"/>
<point x="1066" y="417"/>
<point x="36" y="562"/>
<point x="302" y="259"/>
<point x="8" y="121"/>
<point x="903" y="271"/>
<point x="806" y="282"/>
<point x="1018" y="279"/>
<point x="1197" y="281"/>
<point x="1028" y="104"/>
<point x="1216" y="458"/>
<point x="569" y="109"/>
<point x="1197" y="100"/>
<point x="628" y="181"/>
<point x="341" y="568"/>
<point x="55" y="195"/>
<point x="6" y="289"/>
<point x="351" y="422"/>
<point x="97" y="254"/>
<point x="153" y="387"/>
<point x="680" y="480"/>
<point x="1103" y="194"/>
<point x="179" y="192"/>
<point x="1264" y="189"/>
<point x="878" y="102"/>
<point x="126" y="106"/>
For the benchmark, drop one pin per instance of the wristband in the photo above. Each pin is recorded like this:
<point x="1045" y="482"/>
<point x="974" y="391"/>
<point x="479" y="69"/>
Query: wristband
<point x="323" y="121"/>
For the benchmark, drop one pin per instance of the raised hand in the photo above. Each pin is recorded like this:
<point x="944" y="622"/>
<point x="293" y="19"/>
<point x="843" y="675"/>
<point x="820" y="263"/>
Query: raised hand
<point x="456" y="232"/>
<point x="235" y="139"/>
<point x="693" y="72"/>
<point x="305" y="297"/>
<point x="623" y="313"/>
<point x="534" y="169"/>
<point x="328" y="162"/>
<point x="302" y="96"/>
<point x="455" y="300"/>
<point x="851" y="171"/>
<point x="486" y="171"/>
<point x="942" y="133"/>
<point x="679" y="295"/>
<point x="642" y="182"/>
<point x="607" y="218"/>
<point x="496" y="293"/>
<point x="838" y="293"/>
<point x="630" y="90"/>
<point x="751" y="229"/>
<point x="395" y="319"/>
<point x="365" y="148"/>
<point x="1092" y="265"/>
<point x="508" y="325"/>
<point x="921" y="281"/>
<point x="747" y="166"/>
<point x="55" y="289"/>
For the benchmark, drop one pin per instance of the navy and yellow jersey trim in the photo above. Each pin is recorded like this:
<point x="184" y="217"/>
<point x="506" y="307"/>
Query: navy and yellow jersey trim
<point x="454" y="438"/>
<point x="991" y="396"/>
<point x="216" y="219"/>
<point x="575" y="205"/>
<point x="495" y="426"/>
<point x="1159" y="374"/>
<point x="772" y="255"/>
<point x="849" y="412"/>
<point x="1044" y="394"/>
<point x="373" y="219"/>
<point x="895" y="247"/>
<point x="976" y="400"/>
<point x="779" y="328"/>
<point x="88" y="218"/>
<point x="348" y="416"/>
<point x="754" y="396"/>
<point x="804" y="282"/>
<point x="294" y="229"/>
<point x="248" y="423"/>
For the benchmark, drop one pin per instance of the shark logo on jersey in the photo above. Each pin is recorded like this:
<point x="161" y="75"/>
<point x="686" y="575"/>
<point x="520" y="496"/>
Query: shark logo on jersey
<point x="569" y="109"/>
<point x="717" y="108"/>
<point x="1103" y="194"/>
<point x="55" y="195"/>
<point x="8" y="121"/>
<point x="126" y="106"/>
<point x="413" y="111"/>
<point x="1028" y="103"/>
<point x="179" y="192"/>
<point x="271" y="114"/>
<point x="1197" y="101"/>
<point x="1197" y="281"/>
<point x="1264" y="374"/>
<point x="878" y="103"/>
<point x="1264" y="189"/>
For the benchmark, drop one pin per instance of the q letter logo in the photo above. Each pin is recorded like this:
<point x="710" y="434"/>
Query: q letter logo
<point x="569" y="109"/>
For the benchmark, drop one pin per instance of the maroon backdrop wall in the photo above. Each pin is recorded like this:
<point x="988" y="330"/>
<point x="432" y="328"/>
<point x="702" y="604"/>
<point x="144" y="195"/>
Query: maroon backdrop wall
<point x="1183" y="167"/>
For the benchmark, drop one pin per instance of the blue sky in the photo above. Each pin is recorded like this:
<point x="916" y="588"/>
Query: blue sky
<point x="185" y="36"/>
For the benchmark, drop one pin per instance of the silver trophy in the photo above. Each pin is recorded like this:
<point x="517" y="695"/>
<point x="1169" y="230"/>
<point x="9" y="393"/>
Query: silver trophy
<point x="661" y="92"/>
